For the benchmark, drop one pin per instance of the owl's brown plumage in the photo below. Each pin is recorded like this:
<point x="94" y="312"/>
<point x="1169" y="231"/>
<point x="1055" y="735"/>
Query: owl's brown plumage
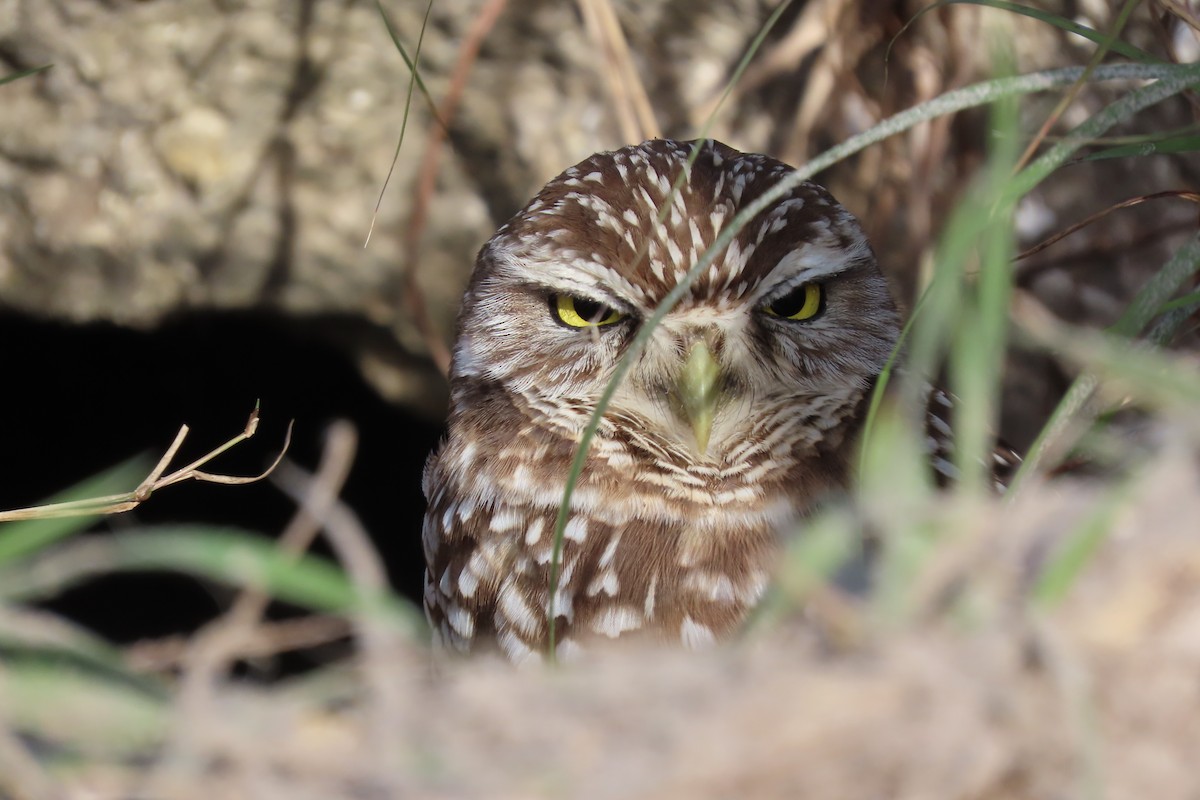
<point x="738" y="417"/>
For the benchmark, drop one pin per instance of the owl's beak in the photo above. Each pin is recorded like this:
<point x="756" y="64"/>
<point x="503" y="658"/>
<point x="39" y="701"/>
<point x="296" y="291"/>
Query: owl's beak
<point x="699" y="389"/>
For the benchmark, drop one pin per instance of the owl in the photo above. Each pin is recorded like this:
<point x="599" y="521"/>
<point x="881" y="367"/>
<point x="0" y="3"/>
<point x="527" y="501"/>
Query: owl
<point x="738" y="417"/>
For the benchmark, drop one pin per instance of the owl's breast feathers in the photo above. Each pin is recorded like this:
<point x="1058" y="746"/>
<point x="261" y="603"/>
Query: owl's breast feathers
<point x="656" y="544"/>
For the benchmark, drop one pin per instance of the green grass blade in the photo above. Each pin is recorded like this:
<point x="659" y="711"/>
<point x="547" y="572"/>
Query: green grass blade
<point x="1148" y="375"/>
<point x="1152" y="297"/>
<point x="1175" y="80"/>
<point x="1062" y="23"/>
<point x="1145" y="306"/>
<point x="809" y="562"/>
<point x="1189" y="302"/>
<point x="894" y="492"/>
<point x="230" y="556"/>
<point x="16" y="76"/>
<point x="1077" y="549"/>
<point x="980" y="342"/>
<point x="1187" y="143"/>
<point x="1174" y="315"/>
<point x="408" y="61"/>
<point x="61" y="702"/>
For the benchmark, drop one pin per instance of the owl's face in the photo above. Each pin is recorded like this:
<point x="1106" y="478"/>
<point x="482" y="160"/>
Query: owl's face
<point x="792" y="318"/>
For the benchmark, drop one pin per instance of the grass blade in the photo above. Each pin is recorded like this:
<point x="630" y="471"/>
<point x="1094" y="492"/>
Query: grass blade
<point x="1187" y="143"/>
<point x="1062" y="23"/>
<point x="230" y="556"/>
<point x="24" y="74"/>
<point x="1145" y="306"/>
<point x="1065" y="565"/>
<point x="408" y="61"/>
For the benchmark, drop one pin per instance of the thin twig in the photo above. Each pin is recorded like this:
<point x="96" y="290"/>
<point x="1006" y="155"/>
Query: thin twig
<point x="341" y="444"/>
<point x="238" y="630"/>
<point x="383" y="653"/>
<point x="126" y="501"/>
<point x="484" y="21"/>
<point x="208" y="655"/>
<point x="1067" y="99"/>
<point x="630" y="101"/>
<point x="413" y="69"/>
<point x="1184" y="194"/>
<point x="1092" y="252"/>
<point x="269" y="639"/>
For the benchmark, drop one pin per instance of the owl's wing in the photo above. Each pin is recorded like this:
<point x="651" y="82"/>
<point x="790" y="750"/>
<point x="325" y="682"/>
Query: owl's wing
<point x="464" y="566"/>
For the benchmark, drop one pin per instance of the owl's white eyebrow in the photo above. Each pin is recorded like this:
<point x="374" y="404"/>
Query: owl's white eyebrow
<point x="590" y="279"/>
<point x="781" y="289"/>
<point x="809" y="263"/>
<point x="583" y="291"/>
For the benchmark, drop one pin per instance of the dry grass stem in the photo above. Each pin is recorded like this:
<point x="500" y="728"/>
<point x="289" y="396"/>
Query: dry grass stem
<point x="126" y="501"/>
<point x="810" y="31"/>
<point x="435" y="142"/>
<point x="1182" y="194"/>
<point x="627" y="92"/>
<point x="413" y="79"/>
<point x="268" y="639"/>
<point x="208" y="656"/>
<point x="239" y="629"/>
<point x="1073" y="93"/>
<point x="382" y="648"/>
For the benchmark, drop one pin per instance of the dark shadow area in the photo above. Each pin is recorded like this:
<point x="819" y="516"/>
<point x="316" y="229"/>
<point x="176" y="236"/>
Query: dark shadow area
<point x="78" y="399"/>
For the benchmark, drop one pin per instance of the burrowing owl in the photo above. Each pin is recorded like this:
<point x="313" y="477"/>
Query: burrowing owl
<point x="740" y="414"/>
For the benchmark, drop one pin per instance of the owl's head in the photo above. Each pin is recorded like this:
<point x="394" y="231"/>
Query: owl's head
<point x="794" y="312"/>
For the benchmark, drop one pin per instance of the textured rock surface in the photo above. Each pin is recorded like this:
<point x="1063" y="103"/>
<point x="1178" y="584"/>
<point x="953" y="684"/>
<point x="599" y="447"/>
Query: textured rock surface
<point x="194" y="155"/>
<point x="184" y="155"/>
<point x="189" y="155"/>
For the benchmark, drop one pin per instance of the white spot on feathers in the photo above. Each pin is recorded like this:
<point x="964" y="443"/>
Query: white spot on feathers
<point x="568" y="650"/>
<point x="615" y="620"/>
<point x="717" y="588"/>
<point x="610" y="550"/>
<point x="694" y="635"/>
<point x="576" y="529"/>
<point x="517" y="651"/>
<point x="605" y="582"/>
<point x="534" y="532"/>
<point x="512" y="608"/>
<point x="651" y="597"/>
<point x="461" y="620"/>
<point x="505" y="520"/>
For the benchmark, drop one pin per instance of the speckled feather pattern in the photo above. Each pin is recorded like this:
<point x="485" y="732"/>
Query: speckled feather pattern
<point x="663" y="540"/>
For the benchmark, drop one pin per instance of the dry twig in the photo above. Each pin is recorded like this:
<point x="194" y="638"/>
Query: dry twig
<point x="127" y="501"/>
<point x="268" y="640"/>
<point x="427" y="180"/>
<point x="1183" y="194"/>
<point x="630" y="100"/>
<point x="382" y="652"/>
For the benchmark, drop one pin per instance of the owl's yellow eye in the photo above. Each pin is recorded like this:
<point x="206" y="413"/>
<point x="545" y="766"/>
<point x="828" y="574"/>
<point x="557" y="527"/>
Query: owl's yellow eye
<point x="804" y="302"/>
<point x="579" y="312"/>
